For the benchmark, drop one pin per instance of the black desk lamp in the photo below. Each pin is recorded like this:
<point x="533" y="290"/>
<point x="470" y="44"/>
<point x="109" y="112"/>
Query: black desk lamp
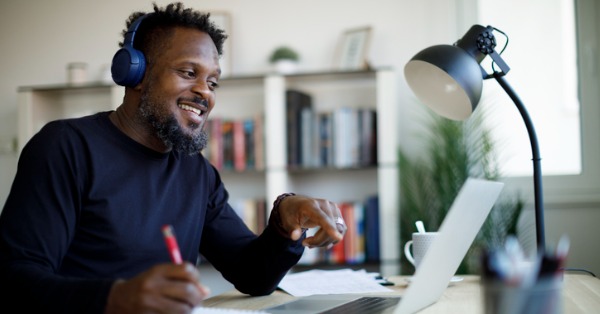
<point x="449" y="79"/>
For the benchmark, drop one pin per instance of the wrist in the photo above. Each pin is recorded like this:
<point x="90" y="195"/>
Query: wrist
<point x="275" y="217"/>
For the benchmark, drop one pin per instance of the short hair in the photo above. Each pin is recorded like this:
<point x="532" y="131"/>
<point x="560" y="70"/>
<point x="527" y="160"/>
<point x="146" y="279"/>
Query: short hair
<point x="157" y="25"/>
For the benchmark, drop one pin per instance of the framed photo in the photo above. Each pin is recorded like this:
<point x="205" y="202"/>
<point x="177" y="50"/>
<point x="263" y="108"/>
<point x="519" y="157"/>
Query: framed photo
<point x="223" y="21"/>
<point x="352" y="51"/>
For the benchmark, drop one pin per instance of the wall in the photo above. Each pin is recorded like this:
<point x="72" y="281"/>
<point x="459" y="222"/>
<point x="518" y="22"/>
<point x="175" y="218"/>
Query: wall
<point x="40" y="37"/>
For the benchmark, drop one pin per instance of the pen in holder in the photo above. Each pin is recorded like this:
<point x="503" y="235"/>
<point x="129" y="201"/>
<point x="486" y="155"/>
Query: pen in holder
<point x="513" y="284"/>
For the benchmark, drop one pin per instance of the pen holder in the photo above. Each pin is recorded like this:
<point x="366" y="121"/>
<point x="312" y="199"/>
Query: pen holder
<point x="544" y="296"/>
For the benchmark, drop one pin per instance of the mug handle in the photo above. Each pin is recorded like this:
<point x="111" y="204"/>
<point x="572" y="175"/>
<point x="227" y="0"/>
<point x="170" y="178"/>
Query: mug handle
<point x="407" y="253"/>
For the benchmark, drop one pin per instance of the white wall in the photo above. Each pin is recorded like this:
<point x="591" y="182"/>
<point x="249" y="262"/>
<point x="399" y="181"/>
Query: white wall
<point x="40" y="37"/>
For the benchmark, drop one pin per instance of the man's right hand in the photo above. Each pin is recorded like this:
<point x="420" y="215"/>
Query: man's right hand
<point x="165" y="288"/>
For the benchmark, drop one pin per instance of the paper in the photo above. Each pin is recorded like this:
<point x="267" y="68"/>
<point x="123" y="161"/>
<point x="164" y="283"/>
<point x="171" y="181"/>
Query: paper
<point x="330" y="282"/>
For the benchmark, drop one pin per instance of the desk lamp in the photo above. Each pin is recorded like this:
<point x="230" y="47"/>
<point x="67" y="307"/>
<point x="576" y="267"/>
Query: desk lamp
<point x="449" y="79"/>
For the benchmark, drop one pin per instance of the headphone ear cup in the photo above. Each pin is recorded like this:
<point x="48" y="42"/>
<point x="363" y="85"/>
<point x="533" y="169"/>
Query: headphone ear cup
<point x="128" y="66"/>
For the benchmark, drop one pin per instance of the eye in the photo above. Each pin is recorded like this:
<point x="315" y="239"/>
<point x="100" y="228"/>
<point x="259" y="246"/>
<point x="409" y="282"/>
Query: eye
<point x="188" y="73"/>
<point x="213" y="85"/>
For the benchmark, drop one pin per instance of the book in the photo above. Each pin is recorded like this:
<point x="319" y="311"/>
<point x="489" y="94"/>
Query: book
<point x="239" y="145"/>
<point x="368" y="136"/>
<point x="325" y="139"/>
<point x="306" y="137"/>
<point x="359" y="223"/>
<point x="341" y="137"/>
<point x="295" y="102"/>
<point x="249" y="145"/>
<point x="371" y="217"/>
<point x="227" y="136"/>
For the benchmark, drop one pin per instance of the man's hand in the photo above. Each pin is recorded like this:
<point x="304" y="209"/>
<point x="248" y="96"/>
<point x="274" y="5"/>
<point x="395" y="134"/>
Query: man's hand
<point x="298" y="212"/>
<point x="165" y="288"/>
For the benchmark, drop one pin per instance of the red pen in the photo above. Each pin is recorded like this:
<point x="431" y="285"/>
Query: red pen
<point x="171" y="242"/>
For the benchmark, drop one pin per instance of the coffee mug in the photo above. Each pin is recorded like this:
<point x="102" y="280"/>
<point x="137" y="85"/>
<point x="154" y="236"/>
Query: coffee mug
<point x="420" y="243"/>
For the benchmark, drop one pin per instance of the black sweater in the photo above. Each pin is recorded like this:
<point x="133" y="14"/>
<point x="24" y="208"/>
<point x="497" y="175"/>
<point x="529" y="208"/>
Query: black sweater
<point x="86" y="208"/>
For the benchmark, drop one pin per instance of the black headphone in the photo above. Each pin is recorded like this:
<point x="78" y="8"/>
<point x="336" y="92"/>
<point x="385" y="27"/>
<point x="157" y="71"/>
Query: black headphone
<point x="129" y="64"/>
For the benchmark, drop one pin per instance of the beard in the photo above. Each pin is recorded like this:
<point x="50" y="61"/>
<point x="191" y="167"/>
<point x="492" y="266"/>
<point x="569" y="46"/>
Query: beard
<point x="155" y="112"/>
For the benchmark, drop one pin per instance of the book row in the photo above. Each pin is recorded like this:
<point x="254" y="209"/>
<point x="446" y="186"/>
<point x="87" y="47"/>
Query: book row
<point x="235" y="144"/>
<point x="341" y="138"/>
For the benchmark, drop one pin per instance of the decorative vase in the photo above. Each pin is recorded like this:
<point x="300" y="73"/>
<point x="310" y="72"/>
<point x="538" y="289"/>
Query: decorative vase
<point x="286" y="66"/>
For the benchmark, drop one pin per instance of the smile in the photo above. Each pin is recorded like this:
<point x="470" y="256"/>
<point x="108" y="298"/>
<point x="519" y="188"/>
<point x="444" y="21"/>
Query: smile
<point x="190" y="108"/>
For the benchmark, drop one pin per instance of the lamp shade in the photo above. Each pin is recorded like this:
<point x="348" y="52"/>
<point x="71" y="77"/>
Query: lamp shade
<point x="447" y="79"/>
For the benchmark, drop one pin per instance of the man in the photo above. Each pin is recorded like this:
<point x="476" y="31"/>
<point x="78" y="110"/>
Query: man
<point x="80" y="230"/>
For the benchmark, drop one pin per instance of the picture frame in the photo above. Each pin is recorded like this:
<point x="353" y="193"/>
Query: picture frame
<point x="222" y="20"/>
<point x="353" y="48"/>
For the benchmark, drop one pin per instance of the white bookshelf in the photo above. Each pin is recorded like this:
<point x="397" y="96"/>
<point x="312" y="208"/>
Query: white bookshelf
<point x="38" y="105"/>
<point x="329" y="90"/>
<point x="240" y="97"/>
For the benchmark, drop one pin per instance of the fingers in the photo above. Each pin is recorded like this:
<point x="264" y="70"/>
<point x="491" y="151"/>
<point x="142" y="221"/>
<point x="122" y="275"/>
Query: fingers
<point x="184" y="284"/>
<point x="302" y="212"/>
<point x="166" y="288"/>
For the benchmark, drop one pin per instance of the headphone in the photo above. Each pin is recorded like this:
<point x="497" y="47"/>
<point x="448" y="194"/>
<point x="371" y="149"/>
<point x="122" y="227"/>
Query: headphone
<point x="129" y="64"/>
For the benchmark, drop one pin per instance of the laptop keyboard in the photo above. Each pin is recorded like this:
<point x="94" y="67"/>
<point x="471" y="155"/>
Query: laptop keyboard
<point x="364" y="305"/>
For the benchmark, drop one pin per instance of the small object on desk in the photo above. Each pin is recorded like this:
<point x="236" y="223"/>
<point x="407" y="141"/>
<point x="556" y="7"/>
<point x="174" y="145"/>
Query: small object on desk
<point x="385" y="282"/>
<point x="420" y="226"/>
<point x="382" y="281"/>
<point x="513" y="283"/>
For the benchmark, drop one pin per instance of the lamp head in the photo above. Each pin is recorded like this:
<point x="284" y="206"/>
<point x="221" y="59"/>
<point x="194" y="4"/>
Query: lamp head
<point x="448" y="78"/>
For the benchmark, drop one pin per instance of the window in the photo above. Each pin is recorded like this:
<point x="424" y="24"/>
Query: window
<point x="553" y="54"/>
<point x="542" y="53"/>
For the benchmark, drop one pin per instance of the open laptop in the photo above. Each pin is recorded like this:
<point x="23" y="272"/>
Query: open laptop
<point x="456" y="234"/>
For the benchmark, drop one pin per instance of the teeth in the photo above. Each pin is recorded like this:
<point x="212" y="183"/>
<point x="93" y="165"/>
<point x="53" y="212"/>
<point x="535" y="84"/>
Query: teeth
<point x="190" y="108"/>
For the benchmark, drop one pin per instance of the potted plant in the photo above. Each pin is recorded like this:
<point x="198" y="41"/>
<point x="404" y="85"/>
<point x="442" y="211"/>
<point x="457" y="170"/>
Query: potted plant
<point x="285" y="59"/>
<point x="430" y="182"/>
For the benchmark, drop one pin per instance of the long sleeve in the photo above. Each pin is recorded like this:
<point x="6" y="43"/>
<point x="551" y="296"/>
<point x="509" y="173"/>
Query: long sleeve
<point x="255" y="265"/>
<point x="37" y="227"/>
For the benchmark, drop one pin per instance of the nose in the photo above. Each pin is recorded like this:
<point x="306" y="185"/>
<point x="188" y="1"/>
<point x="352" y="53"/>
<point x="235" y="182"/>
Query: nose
<point x="202" y="89"/>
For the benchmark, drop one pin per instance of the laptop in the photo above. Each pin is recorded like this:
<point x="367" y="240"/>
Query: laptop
<point x="456" y="234"/>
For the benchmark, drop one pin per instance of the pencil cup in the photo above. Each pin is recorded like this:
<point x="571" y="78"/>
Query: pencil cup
<point x="545" y="296"/>
<point x="420" y="243"/>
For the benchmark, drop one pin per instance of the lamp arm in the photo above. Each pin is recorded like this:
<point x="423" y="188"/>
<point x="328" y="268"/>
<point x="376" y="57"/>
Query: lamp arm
<point x="537" y="170"/>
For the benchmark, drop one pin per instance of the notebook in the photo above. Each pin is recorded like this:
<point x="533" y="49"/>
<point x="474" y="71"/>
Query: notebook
<point x="456" y="234"/>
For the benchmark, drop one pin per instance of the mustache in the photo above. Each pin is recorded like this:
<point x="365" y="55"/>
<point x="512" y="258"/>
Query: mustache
<point x="197" y="100"/>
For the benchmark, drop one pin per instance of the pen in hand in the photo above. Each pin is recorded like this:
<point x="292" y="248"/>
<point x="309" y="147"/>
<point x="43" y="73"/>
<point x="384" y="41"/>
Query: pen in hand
<point x="175" y="254"/>
<point x="171" y="242"/>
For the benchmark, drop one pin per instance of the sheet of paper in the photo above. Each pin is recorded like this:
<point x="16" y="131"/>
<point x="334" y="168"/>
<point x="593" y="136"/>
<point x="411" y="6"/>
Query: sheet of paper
<point x="330" y="282"/>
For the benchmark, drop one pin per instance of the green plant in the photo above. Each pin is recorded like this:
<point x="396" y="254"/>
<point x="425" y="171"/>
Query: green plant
<point x="284" y="53"/>
<point x="428" y="184"/>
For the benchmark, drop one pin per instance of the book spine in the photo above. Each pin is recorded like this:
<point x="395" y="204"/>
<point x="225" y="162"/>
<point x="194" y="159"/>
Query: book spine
<point x="239" y="145"/>
<point x="372" y="229"/>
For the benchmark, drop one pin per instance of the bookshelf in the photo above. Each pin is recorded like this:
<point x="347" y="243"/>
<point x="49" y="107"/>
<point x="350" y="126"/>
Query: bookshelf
<point x="246" y="96"/>
<point x="38" y="105"/>
<point x="375" y="89"/>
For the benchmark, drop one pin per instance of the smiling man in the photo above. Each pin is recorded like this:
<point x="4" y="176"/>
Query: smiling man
<point x="81" y="229"/>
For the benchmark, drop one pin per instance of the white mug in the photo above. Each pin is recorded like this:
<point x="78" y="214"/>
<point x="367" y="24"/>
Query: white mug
<point x="420" y="243"/>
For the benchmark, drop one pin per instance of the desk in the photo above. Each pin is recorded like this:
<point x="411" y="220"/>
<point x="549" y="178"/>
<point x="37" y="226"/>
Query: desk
<point x="581" y="294"/>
